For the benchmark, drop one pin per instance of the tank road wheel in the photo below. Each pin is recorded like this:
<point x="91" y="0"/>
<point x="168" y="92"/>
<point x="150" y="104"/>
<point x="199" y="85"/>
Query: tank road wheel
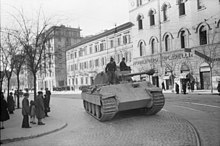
<point x="89" y="107"/>
<point x="84" y="104"/>
<point x="98" y="111"/>
<point x="93" y="109"/>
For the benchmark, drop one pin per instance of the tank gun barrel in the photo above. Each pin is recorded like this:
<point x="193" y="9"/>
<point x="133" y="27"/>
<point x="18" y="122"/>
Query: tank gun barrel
<point x="148" y="72"/>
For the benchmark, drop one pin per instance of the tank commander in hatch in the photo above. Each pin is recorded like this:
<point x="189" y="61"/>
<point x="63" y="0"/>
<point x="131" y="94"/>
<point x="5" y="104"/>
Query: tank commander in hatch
<point x="123" y="66"/>
<point x="110" y="70"/>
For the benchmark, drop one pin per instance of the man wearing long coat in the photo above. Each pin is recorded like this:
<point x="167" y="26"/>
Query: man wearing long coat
<point x="40" y="114"/>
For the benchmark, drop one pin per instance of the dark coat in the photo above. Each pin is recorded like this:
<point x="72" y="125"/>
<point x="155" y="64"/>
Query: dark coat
<point x="218" y="87"/>
<point x="4" y="111"/>
<point x="11" y="103"/>
<point x="25" y="107"/>
<point x="111" y="66"/>
<point x="123" y="66"/>
<point x="39" y="107"/>
<point x="177" y="88"/>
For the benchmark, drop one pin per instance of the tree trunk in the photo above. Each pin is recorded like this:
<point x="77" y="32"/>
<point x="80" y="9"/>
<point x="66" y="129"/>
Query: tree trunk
<point x="35" y="85"/>
<point x="8" y="85"/>
<point x="18" y="95"/>
<point x="211" y="79"/>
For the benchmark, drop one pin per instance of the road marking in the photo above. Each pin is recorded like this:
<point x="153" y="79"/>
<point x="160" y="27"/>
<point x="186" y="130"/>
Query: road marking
<point x="204" y="104"/>
<point x="187" y="108"/>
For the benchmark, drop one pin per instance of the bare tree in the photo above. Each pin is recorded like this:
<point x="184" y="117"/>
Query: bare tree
<point x="19" y="62"/>
<point x="9" y="50"/>
<point x="33" y="35"/>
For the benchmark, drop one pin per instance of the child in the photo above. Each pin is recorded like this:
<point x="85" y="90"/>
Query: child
<point x="25" y="111"/>
<point x="32" y="112"/>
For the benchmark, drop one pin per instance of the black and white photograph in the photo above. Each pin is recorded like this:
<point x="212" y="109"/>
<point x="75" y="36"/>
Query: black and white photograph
<point x="110" y="72"/>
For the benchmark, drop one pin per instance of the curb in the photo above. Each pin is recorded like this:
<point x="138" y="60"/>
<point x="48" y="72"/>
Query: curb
<point x="33" y="136"/>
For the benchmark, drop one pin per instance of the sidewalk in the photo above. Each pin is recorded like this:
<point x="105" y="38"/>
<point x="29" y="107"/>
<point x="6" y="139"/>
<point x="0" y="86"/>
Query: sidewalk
<point x="14" y="132"/>
<point x="198" y="92"/>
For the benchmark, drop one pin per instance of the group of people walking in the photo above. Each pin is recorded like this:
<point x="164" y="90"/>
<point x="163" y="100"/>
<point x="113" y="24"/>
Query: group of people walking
<point x="37" y="108"/>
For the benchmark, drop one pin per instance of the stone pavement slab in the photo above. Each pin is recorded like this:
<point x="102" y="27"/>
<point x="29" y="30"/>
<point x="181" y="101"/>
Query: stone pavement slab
<point x="14" y="132"/>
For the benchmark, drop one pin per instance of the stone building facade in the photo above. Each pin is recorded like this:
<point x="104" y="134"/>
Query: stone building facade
<point x="53" y="74"/>
<point x="90" y="56"/>
<point x="180" y="39"/>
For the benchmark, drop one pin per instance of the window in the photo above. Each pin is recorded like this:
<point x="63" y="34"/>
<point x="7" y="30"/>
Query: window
<point x="153" y="46"/>
<point x="119" y="41"/>
<point x="139" y="3"/>
<point x="96" y="48"/>
<point x="101" y="46"/>
<point x="181" y="8"/>
<point x="203" y="35"/>
<point x="81" y="80"/>
<point x="111" y="43"/>
<point x="86" y="80"/>
<point x="90" y="49"/>
<point x="167" y="43"/>
<point x="200" y="4"/>
<point x="164" y="9"/>
<point x="141" y="49"/>
<point x="183" y="39"/>
<point x="140" y="22"/>
<point x="96" y="62"/>
<point x="152" y="21"/>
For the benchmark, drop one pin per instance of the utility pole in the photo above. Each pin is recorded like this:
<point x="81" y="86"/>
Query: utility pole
<point x="159" y="29"/>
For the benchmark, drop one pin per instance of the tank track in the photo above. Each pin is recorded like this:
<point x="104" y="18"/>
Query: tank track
<point x="158" y="103"/>
<point x="105" y="112"/>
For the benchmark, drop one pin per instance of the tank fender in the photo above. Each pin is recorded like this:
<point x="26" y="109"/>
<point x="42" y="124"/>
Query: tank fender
<point x="92" y="98"/>
<point x="110" y="95"/>
<point x="149" y="92"/>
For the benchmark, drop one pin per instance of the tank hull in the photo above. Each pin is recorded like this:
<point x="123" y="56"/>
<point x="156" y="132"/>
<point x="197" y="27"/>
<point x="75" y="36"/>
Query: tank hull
<point x="103" y="102"/>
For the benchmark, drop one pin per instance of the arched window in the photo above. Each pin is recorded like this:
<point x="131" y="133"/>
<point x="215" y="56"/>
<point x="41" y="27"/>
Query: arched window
<point x="154" y="46"/>
<point x="151" y="15"/>
<point x="167" y="43"/>
<point x="141" y="48"/>
<point x="183" y="39"/>
<point x="164" y="9"/>
<point x="203" y="35"/>
<point x="140" y="22"/>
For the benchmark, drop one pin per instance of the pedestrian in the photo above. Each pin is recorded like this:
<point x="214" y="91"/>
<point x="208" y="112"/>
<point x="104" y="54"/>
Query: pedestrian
<point x="218" y="87"/>
<point x="110" y="70"/>
<point x="184" y="87"/>
<point x="46" y="105"/>
<point x="39" y="103"/>
<point x="11" y="103"/>
<point x="4" y="111"/>
<point x="177" y="88"/>
<point x="25" y="111"/>
<point x="32" y="112"/>
<point x="48" y="94"/>
<point x="123" y="66"/>
<point x="192" y="85"/>
<point x="163" y="86"/>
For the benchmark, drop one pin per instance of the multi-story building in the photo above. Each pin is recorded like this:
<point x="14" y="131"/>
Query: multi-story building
<point x="53" y="74"/>
<point x="180" y="39"/>
<point x="90" y="56"/>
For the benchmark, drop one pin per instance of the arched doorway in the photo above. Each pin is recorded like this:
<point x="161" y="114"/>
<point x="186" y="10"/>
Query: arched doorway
<point x="204" y="72"/>
<point x="184" y="73"/>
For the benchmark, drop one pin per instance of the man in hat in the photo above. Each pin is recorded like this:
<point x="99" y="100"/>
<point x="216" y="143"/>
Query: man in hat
<point x="110" y="70"/>
<point x="25" y="111"/>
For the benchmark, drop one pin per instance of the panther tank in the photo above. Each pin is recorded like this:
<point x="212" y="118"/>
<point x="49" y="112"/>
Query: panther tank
<point x="103" y="101"/>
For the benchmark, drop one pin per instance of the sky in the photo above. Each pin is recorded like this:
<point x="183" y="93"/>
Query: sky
<point x="92" y="16"/>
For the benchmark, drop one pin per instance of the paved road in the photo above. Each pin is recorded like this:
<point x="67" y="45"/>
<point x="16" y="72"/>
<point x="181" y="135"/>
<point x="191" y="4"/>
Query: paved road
<point x="170" y="127"/>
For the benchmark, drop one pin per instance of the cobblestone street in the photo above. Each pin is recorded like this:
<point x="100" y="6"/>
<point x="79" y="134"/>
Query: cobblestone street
<point x="168" y="127"/>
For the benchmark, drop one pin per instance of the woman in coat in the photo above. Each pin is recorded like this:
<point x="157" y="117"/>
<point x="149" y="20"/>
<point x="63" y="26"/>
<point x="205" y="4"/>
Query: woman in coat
<point x="11" y="103"/>
<point x="39" y="107"/>
<point x="4" y="111"/>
